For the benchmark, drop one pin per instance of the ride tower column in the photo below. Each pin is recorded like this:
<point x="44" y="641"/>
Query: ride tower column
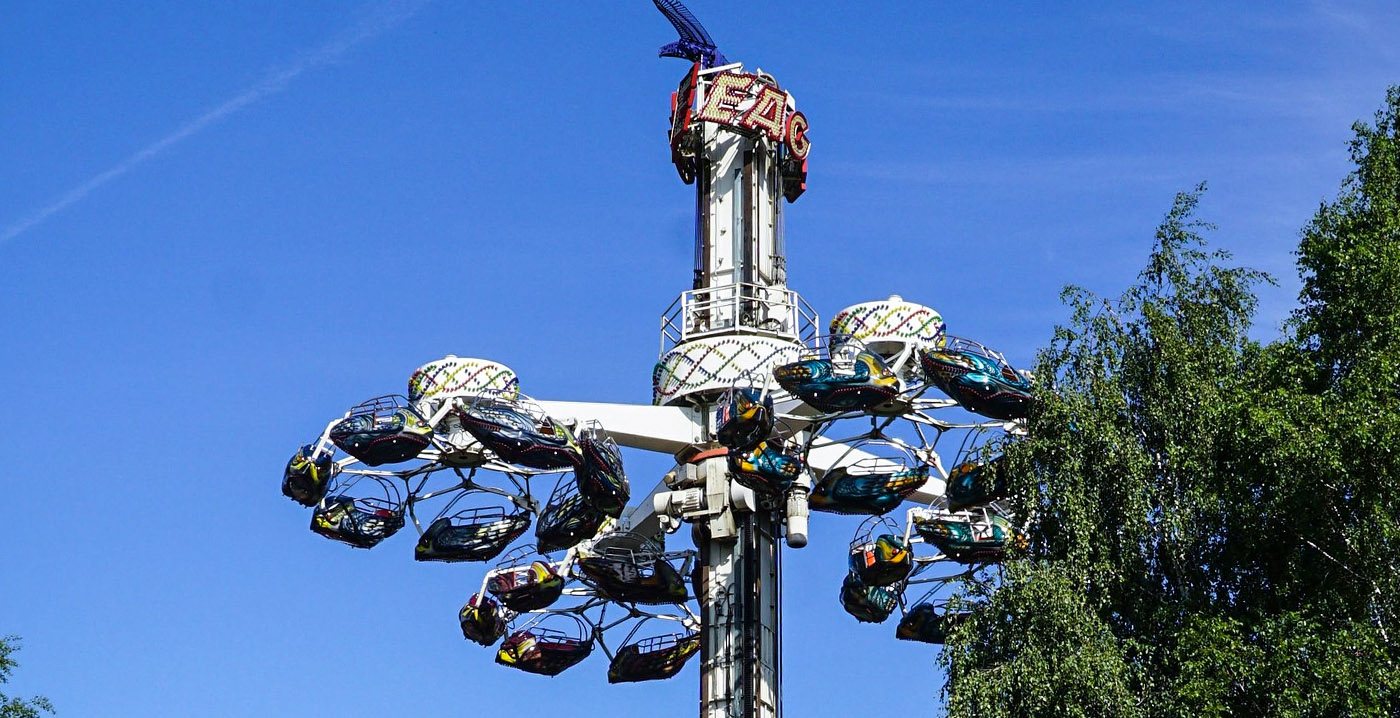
<point x="738" y="137"/>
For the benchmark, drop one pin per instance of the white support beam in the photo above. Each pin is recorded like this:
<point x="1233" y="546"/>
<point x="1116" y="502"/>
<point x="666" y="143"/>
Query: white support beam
<point x="663" y="429"/>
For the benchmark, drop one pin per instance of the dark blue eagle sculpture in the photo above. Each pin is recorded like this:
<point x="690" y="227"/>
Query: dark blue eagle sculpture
<point x="694" y="44"/>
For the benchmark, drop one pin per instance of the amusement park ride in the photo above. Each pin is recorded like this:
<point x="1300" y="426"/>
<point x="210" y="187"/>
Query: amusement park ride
<point x="767" y="420"/>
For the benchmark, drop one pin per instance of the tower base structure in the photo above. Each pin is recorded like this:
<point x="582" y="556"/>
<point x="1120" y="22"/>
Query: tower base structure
<point x="737" y="582"/>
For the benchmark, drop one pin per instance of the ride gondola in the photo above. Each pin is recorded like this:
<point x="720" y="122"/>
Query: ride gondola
<point x="744" y="418"/>
<point x="653" y="659"/>
<point x="968" y="536"/>
<point x="879" y="555"/>
<point x="308" y="474"/>
<point x="478" y="534"/>
<point x="868" y="604"/>
<point x="382" y="430"/>
<point x="482" y="620"/>
<point x="628" y="576"/>
<point x="973" y="483"/>
<point x="372" y="513"/>
<point x="872" y="485"/>
<point x="767" y="468"/>
<point x="978" y="378"/>
<point x="521" y="434"/>
<point x="522" y="586"/>
<point x="601" y="479"/>
<point x="925" y="623"/>
<point x="841" y="492"/>
<point x="567" y="518"/>
<point x="835" y="385"/>
<point x="544" y="650"/>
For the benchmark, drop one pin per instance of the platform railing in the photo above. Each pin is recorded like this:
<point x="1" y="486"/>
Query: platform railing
<point x="738" y="309"/>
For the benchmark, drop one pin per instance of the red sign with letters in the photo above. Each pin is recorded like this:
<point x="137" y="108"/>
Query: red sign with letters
<point x="744" y="102"/>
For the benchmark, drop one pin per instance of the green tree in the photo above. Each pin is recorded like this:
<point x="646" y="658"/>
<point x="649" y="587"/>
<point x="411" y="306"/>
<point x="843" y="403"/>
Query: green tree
<point x="1212" y="522"/>
<point x="17" y="707"/>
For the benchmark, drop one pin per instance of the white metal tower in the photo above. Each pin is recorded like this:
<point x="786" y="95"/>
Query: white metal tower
<point x="739" y="319"/>
<point x="733" y="136"/>
<point x="739" y="138"/>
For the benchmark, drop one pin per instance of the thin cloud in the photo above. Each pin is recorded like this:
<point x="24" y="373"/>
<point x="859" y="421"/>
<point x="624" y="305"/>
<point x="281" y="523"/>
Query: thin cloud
<point x="373" y="21"/>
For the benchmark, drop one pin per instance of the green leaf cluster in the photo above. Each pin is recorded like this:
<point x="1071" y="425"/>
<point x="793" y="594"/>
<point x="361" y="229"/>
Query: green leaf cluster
<point x="17" y="707"/>
<point x="1212" y="521"/>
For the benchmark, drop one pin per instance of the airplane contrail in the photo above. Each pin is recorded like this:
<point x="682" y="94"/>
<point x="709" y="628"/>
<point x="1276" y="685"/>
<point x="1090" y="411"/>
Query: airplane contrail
<point x="373" y="21"/>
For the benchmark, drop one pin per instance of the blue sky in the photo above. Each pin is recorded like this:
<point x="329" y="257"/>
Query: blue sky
<point x="223" y="224"/>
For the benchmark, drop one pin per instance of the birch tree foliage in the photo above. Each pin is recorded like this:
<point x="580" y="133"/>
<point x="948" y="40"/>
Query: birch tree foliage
<point x="16" y="707"/>
<point x="1212" y="522"/>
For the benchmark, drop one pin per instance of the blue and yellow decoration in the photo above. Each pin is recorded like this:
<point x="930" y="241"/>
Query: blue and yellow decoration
<point x="840" y="492"/>
<point x="891" y="321"/>
<point x="744" y="418"/>
<point x="766" y="468"/>
<point x="883" y="562"/>
<point x="965" y="540"/>
<point x="977" y="378"/>
<point x="828" y="389"/>
<point x="454" y="376"/>
<point x="715" y="364"/>
<point x="974" y="483"/>
<point x="869" y="604"/>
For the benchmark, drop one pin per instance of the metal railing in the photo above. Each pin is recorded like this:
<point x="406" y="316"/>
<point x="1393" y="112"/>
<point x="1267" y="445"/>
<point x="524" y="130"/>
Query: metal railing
<point x="738" y="309"/>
